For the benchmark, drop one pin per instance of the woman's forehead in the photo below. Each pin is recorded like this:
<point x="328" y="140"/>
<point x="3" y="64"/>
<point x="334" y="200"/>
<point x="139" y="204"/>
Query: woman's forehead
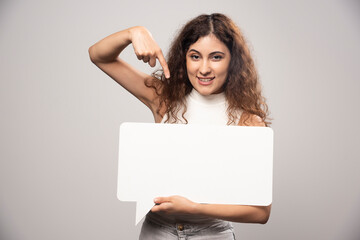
<point x="207" y="44"/>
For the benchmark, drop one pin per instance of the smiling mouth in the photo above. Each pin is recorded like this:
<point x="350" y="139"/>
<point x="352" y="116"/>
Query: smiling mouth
<point x="205" y="79"/>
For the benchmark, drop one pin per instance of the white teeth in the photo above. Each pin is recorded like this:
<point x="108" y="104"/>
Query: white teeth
<point x="205" y="79"/>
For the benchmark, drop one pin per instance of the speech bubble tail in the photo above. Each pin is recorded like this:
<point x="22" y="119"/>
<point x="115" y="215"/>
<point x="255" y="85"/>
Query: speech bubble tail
<point x="142" y="209"/>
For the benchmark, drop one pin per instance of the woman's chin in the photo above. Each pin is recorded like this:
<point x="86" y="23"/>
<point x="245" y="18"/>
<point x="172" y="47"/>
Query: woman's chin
<point x="203" y="91"/>
<point x="206" y="91"/>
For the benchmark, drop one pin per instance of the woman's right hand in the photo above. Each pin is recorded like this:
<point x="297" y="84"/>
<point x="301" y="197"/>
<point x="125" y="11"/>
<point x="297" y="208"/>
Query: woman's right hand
<point x="146" y="49"/>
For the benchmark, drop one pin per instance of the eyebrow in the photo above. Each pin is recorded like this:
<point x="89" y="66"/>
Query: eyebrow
<point x="215" y="52"/>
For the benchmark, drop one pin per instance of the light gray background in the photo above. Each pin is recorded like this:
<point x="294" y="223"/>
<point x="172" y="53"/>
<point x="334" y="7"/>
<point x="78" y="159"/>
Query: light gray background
<point x="60" y="114"/>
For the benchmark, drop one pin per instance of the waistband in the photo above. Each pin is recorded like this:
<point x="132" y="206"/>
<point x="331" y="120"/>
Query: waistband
<point x="187" y="225"/>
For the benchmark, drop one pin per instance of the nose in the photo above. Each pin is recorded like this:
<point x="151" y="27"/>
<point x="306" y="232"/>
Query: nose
<point x="205" y="68"/>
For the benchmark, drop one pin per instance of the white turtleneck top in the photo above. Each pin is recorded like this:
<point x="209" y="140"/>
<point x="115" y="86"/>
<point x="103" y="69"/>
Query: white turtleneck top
<point x="201" y="109"/>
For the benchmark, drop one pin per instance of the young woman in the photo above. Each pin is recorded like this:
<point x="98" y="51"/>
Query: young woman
<point x="209" y="77"/>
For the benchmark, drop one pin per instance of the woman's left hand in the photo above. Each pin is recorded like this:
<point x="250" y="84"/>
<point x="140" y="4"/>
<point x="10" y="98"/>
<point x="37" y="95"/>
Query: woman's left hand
<point x="174" y="205"/>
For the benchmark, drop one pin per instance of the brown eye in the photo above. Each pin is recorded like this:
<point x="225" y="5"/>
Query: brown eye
<point x="194" y="57"/>
<point x="217" y="57"/>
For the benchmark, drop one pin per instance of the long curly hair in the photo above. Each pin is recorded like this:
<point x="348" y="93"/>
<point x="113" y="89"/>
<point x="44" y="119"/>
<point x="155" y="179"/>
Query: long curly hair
<point x="242" y="89"/>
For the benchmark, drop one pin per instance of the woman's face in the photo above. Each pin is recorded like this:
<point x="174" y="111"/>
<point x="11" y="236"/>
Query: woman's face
<point x="207" y="63"/>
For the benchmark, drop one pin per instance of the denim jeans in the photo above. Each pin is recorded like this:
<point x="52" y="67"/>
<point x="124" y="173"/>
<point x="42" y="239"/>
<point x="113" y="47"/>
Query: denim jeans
<point x="157" y="229"/>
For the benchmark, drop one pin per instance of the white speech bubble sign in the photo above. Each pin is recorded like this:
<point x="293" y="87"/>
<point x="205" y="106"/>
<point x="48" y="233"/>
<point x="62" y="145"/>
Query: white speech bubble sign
<point x="204" y="163"/>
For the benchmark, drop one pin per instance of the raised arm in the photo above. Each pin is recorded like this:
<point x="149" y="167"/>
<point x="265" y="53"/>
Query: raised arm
<point x="105" y="55"/>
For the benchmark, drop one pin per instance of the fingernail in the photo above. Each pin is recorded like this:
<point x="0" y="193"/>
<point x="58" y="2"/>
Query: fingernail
<point x="155" y="199"/>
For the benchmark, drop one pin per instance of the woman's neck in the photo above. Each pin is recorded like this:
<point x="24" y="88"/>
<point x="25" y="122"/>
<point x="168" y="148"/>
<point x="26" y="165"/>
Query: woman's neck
<point x="208" y="99"/>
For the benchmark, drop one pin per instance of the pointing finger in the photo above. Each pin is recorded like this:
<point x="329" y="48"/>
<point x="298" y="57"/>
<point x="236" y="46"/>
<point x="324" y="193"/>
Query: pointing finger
<point x="163" y="63"/>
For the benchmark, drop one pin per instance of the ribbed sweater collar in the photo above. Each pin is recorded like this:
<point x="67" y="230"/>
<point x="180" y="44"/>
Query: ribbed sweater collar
<point x="212" y="99"/>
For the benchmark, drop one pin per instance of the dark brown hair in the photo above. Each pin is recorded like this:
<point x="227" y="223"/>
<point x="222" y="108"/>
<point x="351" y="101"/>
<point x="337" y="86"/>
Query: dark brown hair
<point x="242" y="89"/>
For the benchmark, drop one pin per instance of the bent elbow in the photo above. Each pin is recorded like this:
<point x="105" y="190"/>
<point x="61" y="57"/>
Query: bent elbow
<point x="265" y="216"/>
<point x="264" y="219"/>
<point x="91" y="54"/>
